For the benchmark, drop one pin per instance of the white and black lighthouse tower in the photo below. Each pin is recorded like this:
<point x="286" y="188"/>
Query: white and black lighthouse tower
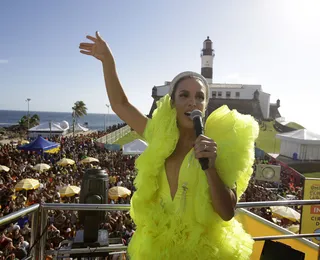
<point x="207" y="55"/>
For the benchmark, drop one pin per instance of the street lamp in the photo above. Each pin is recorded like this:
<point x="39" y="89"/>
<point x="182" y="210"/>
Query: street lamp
<point x="28" y="116"/>
<point x="108" y="106"/>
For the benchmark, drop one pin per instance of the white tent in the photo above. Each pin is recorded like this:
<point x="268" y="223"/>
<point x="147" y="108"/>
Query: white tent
<point x="135" y="147"/>
<point x="302" y="144"/>
<point x="80" y="128"/>
<point x="46" y="129"/>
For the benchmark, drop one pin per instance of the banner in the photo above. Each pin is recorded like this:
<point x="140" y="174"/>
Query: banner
<point x="310" y="217"/>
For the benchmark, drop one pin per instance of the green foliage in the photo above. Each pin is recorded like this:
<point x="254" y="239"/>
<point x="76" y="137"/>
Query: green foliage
<point x="79" y="109"/>
<point x="33" y="121"/>
<point x="128" y="138"/>
<point x="312" y="175"/>
<point x="295" y="125"/>
<point x="267" y="140"/>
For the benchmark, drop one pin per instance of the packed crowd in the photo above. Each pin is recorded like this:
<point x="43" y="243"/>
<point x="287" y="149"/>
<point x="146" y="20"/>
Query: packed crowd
<point x="14" y="239"/>
<point x="289" y="187"/>
<point x="62" y="225"/>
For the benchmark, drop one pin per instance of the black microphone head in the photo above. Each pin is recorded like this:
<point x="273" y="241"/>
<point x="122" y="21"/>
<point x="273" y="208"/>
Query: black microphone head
<point x="195" y="113"/>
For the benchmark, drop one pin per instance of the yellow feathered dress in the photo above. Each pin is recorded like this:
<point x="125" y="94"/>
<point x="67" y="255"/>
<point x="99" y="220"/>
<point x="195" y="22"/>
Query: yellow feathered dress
<point x="187" y="227"/>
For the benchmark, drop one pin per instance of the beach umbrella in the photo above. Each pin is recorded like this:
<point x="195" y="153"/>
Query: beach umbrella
<point x="117" y="192"/>
<point x="40" y="167"/>
<point x="89" y="160"/>
<point x="4" y="168"/>
<point x="69" y="191"/>
<point x="294" y="228"/>
<point x="285" y="212"/>
<point x="27" y="184"/>
<point x="65" y="162"/>
<point x="53" y="150"/>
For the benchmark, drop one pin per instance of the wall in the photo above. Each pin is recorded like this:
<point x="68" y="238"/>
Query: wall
<point x="162" y="90"/>
<point x="246" y="91"/>
<point x="305" y="167"/>
<point x="310" y="152"/>
<point x="264" y="99"/>
<point x="257" y="227"/>
<point x="287" y="148"/>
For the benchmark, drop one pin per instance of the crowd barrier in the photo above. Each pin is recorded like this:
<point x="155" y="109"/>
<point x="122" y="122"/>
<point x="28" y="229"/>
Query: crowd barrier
<point x="39" y="217"/>
<point x="114" y="136"/>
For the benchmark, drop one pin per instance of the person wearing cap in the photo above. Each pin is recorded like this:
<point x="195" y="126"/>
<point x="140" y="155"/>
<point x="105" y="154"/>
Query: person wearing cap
<point x="182" y="211"/>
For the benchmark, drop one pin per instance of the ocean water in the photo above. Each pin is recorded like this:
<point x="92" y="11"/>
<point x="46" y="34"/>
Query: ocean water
<point x="95" y="121"/>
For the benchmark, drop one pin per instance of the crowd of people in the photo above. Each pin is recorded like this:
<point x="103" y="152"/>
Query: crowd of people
<point x="62" y="225"/>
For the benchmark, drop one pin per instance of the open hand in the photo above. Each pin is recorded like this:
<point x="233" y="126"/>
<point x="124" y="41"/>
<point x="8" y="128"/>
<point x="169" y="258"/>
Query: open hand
<point x="98" y="49"/>
<point x="205" y="147"/>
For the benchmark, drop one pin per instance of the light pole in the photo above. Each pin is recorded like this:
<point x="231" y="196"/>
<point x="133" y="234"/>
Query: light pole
<point x="28" y="116"/>
<point x="108" y="106"/>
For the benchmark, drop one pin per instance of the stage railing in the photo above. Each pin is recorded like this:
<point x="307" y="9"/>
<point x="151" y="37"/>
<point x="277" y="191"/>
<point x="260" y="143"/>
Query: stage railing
<point x="34" y="211"/>
<point x="43" y="209"/>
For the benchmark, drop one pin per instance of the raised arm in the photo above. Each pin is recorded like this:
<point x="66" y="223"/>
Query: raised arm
<point x="118" y="99"/>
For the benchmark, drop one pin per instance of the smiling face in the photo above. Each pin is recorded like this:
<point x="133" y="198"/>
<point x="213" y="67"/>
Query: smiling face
<point x="189" y="94"/>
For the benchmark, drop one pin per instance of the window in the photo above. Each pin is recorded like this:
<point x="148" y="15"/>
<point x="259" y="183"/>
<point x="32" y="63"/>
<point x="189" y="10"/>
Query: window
<point x="214" y="94"/>
<point x="228" y="94"/>
<point x="219" y="94"/>
<point x="237" y="94"/>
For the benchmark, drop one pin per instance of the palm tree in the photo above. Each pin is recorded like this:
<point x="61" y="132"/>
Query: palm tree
<point x="78" y="110"/>
<point x="34" y="120"/>
<point x="23" y="121"/>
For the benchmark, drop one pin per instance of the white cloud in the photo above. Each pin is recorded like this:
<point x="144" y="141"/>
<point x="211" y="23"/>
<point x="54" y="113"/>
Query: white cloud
<point x="3" y="61"/>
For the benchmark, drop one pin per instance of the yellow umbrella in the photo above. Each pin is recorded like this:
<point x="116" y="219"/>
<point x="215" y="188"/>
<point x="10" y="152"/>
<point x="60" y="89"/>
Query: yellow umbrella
<point x="69" y="191"/>
<point x="286" y="212"/>
<point x="41" y="167"/>
<point x="27" y="184"/>
<point x="294" y="228"/>
<point x="65" y="162"/>
<point x="53" y="150"/>
<point x="118" y="192"/>
<point x="24" y="141"/>
<point x="89" y="160"/>
<point x="4" y="168"/>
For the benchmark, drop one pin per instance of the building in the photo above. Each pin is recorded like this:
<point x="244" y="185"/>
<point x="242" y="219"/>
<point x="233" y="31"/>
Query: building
<point x="247" y="99"/>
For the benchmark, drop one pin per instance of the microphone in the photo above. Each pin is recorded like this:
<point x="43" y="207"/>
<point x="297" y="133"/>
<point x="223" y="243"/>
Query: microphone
<point x="196" y="116"/>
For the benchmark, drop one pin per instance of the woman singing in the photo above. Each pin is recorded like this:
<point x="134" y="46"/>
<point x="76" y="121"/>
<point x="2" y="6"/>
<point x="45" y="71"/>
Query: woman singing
<point x="180" y="210"/>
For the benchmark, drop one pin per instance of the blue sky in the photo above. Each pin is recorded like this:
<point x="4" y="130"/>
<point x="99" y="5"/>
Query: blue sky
<point x="274" y="43"/>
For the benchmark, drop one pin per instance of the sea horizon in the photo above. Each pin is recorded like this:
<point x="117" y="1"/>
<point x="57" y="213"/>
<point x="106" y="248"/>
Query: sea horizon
<point x="44" y="111"/>
<point x="95" y="121"/>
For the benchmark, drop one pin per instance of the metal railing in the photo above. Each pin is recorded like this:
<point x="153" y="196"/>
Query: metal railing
<point x="114" y="136"/>
<point x="34" y="211"/>
<point x="44" y="208"/>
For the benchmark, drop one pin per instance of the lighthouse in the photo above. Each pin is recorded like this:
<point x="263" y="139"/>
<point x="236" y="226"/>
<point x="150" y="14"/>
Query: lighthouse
<point x="207" y="55"/>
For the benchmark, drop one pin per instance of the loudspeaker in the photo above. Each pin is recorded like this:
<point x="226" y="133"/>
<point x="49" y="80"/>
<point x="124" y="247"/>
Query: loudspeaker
<point x="94" y="190"/>
<point x="268" y="172"/>
<point x="279" y="251"/>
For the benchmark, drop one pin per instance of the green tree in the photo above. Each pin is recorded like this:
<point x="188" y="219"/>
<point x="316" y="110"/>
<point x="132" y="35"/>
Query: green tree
<point x="33" y="121"/>
<point x="78" y="110"/>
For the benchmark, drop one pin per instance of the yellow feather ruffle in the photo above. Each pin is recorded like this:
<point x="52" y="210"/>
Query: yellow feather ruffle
<point x="199" y="233"/>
